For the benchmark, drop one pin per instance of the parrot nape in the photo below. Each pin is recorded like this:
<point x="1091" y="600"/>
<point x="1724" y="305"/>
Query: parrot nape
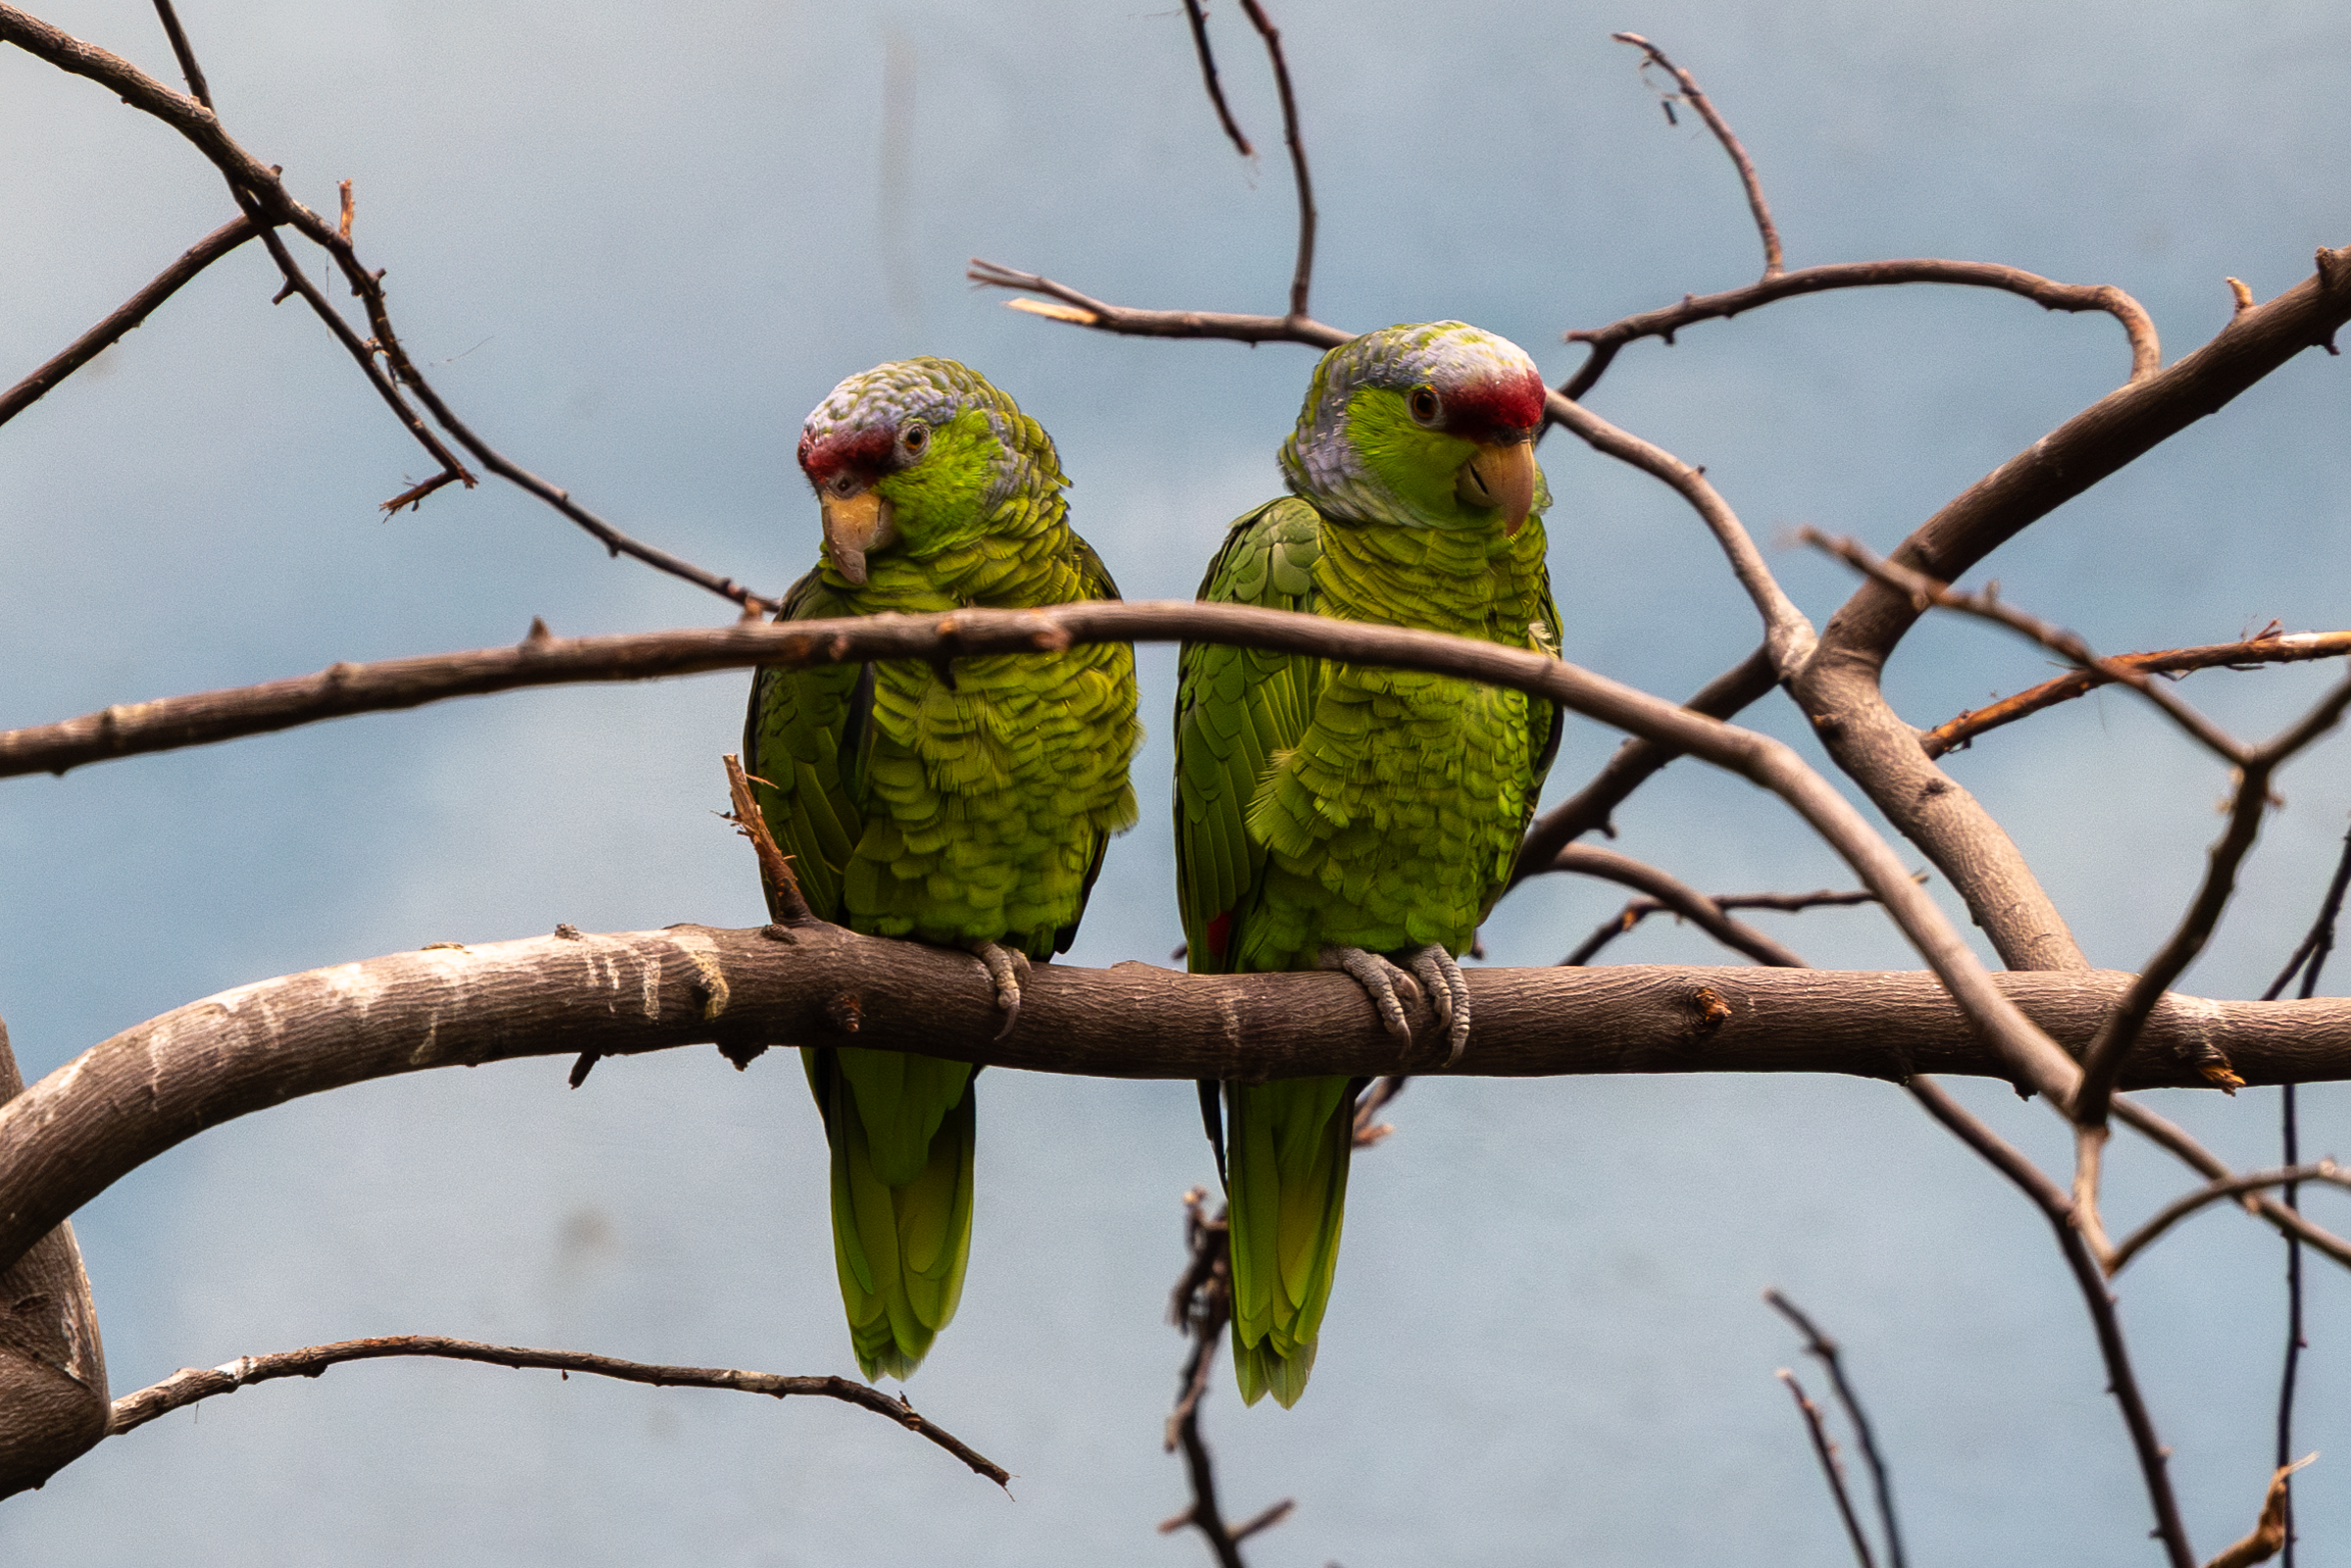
<point x="1338" y="815"/>
<point x="964" y="802"/>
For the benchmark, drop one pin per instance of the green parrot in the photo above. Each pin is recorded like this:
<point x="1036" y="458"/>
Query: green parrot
<point x="965" y="802"/>
<point x="1337" y="816"/>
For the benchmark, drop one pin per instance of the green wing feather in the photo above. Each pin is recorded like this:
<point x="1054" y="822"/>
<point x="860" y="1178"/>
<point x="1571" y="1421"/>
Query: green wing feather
<point x="1288" y="1142"/>
<point x="902" y="1127"/>
<point x="1249" y="777"/>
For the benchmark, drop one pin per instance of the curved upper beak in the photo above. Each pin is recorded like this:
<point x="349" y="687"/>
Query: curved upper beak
<point x="856" y="526"/>
<point x="1503" y="477"/>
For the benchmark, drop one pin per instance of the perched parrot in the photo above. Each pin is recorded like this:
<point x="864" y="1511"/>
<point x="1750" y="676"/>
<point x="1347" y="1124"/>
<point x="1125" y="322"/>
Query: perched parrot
<point x="964" y="803"/>
<point x="1337" y="816"/>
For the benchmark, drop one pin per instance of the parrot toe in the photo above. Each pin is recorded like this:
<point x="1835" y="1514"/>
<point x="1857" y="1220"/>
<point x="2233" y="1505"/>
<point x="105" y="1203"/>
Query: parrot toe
<point x="1442" y="977"/>
<point x="1008" y="967"/>
<point x="1379" y="978"/>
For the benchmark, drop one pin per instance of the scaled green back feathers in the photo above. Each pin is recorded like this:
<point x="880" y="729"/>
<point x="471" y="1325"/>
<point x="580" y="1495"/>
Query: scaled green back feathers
<point x="962" y="805"/>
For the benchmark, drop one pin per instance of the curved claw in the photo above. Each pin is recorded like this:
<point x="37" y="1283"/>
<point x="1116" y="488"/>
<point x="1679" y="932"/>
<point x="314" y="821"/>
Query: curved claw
<point x="1008" y="967"/>
<point x="1379" y="978"/>
<point x="1450" y="992"/>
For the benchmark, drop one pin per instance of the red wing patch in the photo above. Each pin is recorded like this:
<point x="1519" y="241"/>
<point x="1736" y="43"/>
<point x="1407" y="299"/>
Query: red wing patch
<point x="1220" y="935"/>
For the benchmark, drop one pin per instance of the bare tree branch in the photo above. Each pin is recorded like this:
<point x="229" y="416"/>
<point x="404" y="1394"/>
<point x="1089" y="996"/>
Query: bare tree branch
<point x="125" y="317"/>
<point x="1376" y="1100"/>
<point x="2310" y="958"/>
<point x="1302" y="277"/>
<point x="1201" y="1306"/>
<point x="2270" y="647"/>
<point x="128" y="1100"/>
<point x="1084" y="310"/>
<point x="1198" y="18"/>
<point x="1839" y="690"/>
<point x="271" y="204"/>
<point x="1667" y="891"/>
<point x="1827" y="1453"/>
<point x="1589" y="809"/>
<point x="2179" y="1208"/>
<point x="2173" y="1139"/>
<point x="2123" y="1382"/>
<point x="2089" y="1105"/>
<point x="1787" y="635"/>
<point x="2146" y="353"/>
<point x="1697" y="100"/>
<point x="1988" y="606"/>
<point x="53" y="1400"/>
<point x="1825" y="1349"/>
<point x="2034" y="1058"/>
<point x="191" y="1384"/>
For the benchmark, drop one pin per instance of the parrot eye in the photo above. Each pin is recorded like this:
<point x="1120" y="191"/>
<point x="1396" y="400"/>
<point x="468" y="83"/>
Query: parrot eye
<point x="1425" y="406"/>
<point x="915" y="438"/>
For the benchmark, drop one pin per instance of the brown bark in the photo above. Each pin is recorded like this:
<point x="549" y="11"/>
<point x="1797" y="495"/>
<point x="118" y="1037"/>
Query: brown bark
<point x="53" y="1399"/>
<point x="130" y="1099"/>
<point x="1839" y="688"/>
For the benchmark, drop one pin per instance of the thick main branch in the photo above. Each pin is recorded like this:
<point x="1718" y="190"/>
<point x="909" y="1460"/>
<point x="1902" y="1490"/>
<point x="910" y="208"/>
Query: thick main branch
<point x="69" y="1136"/>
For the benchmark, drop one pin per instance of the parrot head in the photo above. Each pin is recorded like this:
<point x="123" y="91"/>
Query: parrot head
<point x="1430" y="425"/>
<point x="915" y="457"/>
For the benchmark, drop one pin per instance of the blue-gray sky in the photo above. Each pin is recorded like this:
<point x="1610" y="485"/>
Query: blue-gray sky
<point x="635" y="246"/>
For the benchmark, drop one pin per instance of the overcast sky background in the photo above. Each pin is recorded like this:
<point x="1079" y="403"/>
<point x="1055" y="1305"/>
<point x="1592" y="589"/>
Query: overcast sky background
<point x="633" y="246"/>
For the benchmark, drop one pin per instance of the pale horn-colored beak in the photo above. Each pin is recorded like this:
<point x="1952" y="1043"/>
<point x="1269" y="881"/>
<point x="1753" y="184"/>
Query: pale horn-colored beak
<point x="1503" y="477"/>
<point x="856" y="526"/>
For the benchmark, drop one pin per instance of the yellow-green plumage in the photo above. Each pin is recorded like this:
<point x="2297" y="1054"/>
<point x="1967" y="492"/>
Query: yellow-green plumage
<point x="1328" y="805"/>
<point x="960" y="805"/>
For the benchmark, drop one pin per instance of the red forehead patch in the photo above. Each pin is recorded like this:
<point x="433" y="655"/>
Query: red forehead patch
<point x="866" y="451"/>
<point x="1507" y="406"/>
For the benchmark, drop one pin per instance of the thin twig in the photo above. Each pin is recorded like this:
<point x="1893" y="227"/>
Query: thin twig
<point x="1632" y="765"/>
<point x="1669" y="892"/>
<point x="2310" y="957"/>
<point x="1697" y="100"/>
<point x="1830" y="1467"/>
<point x="774" y="866"/>
<point x="2122" y="1382"/>
<point x="191" y="1384"/>
<point x="2105" y="1054"/>
<point x="126" y="317"/>
<point x="2179" y="1208"/>
<point x="1787" y="634"/>
<point x="1201" y="1306"/>
<point x="1987" y="605"/>
<point x="2270" y="647"/>
<point x="1084" y="310"/>
<point x="1375" y="1099"/>
<point x="263" y="194"/>
<point x="1197" y="15"/>
<point x="2173" y="1139"/>
<point x="1825" y="1349"/>
<point x="1302" y="276"/>
<point x="2146" y="351"/>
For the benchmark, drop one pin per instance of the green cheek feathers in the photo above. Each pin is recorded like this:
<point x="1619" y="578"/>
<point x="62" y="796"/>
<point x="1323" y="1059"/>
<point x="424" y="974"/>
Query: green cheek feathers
<point x="936" y="499"/>
<point x="1420" y="465"/>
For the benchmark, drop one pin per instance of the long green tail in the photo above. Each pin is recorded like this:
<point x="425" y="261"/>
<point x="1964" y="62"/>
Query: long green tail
<point x="902" y="1131"/>
<point x="1288" y="1144"/>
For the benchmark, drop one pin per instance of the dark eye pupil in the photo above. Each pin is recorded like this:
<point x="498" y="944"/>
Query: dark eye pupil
<point x="1424" y="405"/>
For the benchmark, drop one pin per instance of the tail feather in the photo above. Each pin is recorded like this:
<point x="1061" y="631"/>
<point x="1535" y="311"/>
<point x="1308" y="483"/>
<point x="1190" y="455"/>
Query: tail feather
<point x="1289" y="1144"/>
<point x="901" y="1248"/>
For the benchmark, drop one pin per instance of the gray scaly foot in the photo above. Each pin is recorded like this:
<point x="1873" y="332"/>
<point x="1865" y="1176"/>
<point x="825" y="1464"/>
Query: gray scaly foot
<point x="1379" y="980"/>
<point x="1008" y="967"/>
<point x="1442" y="977"/>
